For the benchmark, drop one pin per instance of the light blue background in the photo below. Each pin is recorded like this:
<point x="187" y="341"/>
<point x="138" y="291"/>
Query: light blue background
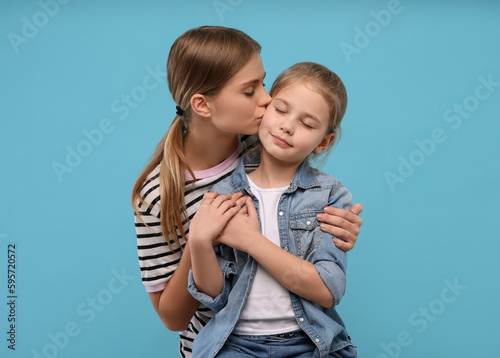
<point x="74" y="233"/>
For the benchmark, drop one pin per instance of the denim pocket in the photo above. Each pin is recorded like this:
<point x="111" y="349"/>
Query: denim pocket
<point x="306" y="232"/>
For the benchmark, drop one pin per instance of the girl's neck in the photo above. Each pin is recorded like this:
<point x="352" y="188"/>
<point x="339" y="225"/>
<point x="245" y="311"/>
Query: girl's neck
<point x="205" y="146"/>
<point x="273" y="173"/>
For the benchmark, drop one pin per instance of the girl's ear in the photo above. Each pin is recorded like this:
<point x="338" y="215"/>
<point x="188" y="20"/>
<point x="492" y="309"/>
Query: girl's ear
<point x="325" y="143"/>
<point x="200" y="105"/>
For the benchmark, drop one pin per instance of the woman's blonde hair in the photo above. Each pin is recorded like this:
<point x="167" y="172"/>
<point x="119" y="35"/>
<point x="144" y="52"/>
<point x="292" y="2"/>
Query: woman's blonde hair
<point x="325" y="82"/>
<point x="201" y="61"/>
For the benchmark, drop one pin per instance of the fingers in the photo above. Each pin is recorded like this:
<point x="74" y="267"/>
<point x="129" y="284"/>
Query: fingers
<point x="236" y="197"/>
<point x="228" y="205"/>
<point x="218" y="201"/>
<point x="208" y="198"/>
<point x="241" y="201"/>
<point x="344" y="246"/>
<point x="343" y="214"/>
<point x="330" y="224"/>
<point x="341" y="233"/>
<point x="356" y="209"/>
<point x="229" y="213"/>
<point x="251" y="211"/>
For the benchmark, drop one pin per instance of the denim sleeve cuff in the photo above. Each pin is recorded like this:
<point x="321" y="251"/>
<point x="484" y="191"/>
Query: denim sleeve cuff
<point x="333" y="277"/>
<point x="214" y="303"/>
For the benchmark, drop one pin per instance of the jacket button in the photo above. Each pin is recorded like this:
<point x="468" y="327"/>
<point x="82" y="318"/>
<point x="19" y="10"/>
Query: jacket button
<point x="285" y="248"/>
<point x="301" y="319"/>
<point x="281" y="213"/>
<point x="316" y="340"/>
<point x="308" y="222"/>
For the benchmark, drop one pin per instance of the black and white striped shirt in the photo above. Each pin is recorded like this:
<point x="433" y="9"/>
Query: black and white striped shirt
<point x="156" y="260"/>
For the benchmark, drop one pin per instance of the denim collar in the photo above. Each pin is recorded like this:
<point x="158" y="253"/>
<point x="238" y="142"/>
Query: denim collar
<point x="304" y="177"/>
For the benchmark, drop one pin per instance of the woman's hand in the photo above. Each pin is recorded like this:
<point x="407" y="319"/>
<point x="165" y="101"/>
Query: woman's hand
<point x="212" y="216"/>
<point x="343" y="224"/>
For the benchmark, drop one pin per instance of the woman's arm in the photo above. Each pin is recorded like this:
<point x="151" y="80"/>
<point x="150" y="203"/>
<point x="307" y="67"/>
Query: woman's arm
<point x="174" y="305"/>
<point x="297" y="275"/>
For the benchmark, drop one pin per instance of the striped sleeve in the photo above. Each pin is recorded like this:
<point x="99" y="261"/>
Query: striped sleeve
<point x="156" y="261"/>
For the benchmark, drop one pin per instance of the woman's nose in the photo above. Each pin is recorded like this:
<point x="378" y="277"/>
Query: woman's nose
<point x="264" y="99"/>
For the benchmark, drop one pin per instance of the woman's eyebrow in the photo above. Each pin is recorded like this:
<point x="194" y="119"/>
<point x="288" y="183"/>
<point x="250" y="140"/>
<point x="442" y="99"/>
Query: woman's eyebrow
<point x="255" y="81"/>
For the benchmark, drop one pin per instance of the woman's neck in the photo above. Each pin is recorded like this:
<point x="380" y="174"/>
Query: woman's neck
<point x="273" y="173"/>
<point x="205" y="146"/>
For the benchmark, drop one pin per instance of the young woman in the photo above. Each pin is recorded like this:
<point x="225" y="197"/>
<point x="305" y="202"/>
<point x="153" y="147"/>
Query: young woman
<point x="215" y="75"/>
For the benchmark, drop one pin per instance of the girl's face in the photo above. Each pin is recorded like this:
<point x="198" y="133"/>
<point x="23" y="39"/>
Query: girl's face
<point x="295" y="124"/>
<point x="241" y="103"/>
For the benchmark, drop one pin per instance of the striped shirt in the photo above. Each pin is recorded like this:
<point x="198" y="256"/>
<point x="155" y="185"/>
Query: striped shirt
<point x="156" y="260"/>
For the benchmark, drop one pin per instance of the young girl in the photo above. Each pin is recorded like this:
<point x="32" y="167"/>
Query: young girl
<point x="275" y="288"/>
<point x="215" y="76"/>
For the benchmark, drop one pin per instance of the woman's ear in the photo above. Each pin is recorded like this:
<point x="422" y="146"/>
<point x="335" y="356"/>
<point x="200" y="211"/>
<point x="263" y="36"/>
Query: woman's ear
<point x="200" y="105"/>
<point x="325" y="143"/>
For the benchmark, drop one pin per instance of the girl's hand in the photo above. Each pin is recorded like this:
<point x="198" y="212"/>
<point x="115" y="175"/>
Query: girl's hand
<point x="241" y="228"/>
<point x="343" y="224"/>
<point x="212" y="216"/>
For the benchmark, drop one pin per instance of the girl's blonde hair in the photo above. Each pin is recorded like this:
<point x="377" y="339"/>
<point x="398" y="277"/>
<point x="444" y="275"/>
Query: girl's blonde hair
<point x="201" y="61"/>
<point x="325" y="82"/>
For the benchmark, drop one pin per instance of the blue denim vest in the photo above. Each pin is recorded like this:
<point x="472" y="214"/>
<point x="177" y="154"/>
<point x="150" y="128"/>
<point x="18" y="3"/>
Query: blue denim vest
<point x="307" y="195"/>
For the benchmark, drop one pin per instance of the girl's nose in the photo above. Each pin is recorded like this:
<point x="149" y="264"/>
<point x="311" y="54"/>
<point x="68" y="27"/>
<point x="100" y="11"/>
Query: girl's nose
<point x="286" y="126"/>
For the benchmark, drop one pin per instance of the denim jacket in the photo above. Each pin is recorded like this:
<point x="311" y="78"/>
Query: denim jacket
<point x="309" y="192"/>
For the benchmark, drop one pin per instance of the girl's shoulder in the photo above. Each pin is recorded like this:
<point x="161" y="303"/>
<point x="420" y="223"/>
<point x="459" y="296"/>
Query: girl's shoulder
<point x="327" y="181"/>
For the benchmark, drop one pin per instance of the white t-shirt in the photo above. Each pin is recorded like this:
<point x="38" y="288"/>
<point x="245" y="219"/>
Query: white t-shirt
<point x="268" y="309"/>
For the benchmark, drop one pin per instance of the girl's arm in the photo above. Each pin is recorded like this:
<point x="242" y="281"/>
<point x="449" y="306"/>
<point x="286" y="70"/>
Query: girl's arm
<point x="210" y="219"/>
<point x="295" y="274"/>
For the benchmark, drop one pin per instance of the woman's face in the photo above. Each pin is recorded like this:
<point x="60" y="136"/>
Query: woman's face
<point x="240" y="105"/>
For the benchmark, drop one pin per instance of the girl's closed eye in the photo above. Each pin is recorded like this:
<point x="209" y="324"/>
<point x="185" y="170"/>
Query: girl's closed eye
<point x="280" y="110"/>
<point x="307" y="125"/>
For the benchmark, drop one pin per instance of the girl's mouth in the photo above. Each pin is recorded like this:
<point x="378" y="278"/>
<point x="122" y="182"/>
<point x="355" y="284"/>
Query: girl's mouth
<point x="280" y="141"/>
